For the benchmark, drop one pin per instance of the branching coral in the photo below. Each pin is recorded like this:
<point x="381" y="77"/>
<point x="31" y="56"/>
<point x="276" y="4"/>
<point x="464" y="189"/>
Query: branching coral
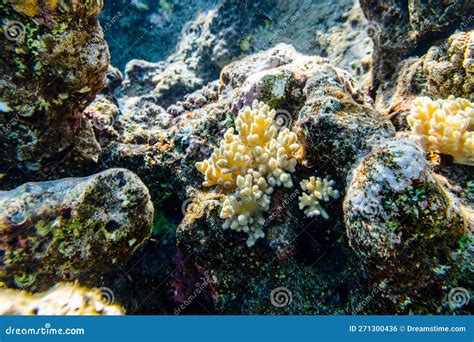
<point x="244" y="209"/>
<point x="446" y="126"/>
<point x="253" y="161"/>
<point x="317" y="190"/>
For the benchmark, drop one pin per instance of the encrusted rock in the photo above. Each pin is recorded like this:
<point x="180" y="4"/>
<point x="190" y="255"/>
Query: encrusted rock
<point x="54" y="61"/>
<point x="409" y="231"/>
<point x="336" y="124"/>
<point x="74" y="228"/>
<point x="445" y="69"/>
<point x="401" y="29"/>
<point x="249" y="280"/>
<point x="449" y="69"/>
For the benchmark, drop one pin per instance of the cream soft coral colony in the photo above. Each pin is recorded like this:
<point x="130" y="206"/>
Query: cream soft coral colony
<point x="445" y="126"/>
<point x="251" y="163"/>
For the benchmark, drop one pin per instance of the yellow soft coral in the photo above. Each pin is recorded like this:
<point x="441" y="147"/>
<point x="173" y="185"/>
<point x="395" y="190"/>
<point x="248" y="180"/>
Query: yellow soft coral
<point x="61" y="300"/>
<point x="244" y="209"/>
<point x="316" y="190"/>
<point x="445" y="126"/>
<point x="258" y="145"/>
<point x="251" y="160"/>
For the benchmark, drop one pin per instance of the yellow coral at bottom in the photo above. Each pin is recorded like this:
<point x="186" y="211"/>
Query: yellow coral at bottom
<point x="445" y="126"/>
<point x="317" y="190"/>
<point x="63" y="299"/>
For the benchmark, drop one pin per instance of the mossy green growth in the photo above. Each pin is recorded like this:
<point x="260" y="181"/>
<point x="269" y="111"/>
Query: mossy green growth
<point x="424" y="214"/>
<point x="469" y="191"/>
<point x="276" y="90"/>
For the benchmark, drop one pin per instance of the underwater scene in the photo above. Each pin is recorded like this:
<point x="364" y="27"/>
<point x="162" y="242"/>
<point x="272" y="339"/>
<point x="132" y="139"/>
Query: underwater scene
<point x="236" y="157"/>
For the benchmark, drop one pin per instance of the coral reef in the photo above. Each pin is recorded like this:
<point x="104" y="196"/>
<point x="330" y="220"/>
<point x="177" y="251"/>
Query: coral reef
<point x="331" y="119"/>
<point x="316" y="190"/>
<point x="184" y="195"/>
<point x="446" y="126"/>
<point x="63" y="299"/>
<point x="445" y="70"/>
<point x="76" y="228"/>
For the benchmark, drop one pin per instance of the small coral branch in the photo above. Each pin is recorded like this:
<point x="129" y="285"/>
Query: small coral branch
<point x="244" y="209"/>
<point x="316" y="190"/>
<point x="445" y="126"/>
<point x="251" y="163"/>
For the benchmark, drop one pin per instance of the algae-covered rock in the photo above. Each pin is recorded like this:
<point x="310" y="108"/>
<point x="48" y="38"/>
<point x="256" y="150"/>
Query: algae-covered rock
<point x="323" y="102"/>
<point x="74" y="228"/>
<point x="299" y="268"/>
<point x="339" y="124"/>
<point x="54" y="61"/>
<point x="62" y="299"/>
<point x="445" y="69"/>
<point x="449" y="68"/>
<point x="401" y="29"/>
<point x="410" y="232"/>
